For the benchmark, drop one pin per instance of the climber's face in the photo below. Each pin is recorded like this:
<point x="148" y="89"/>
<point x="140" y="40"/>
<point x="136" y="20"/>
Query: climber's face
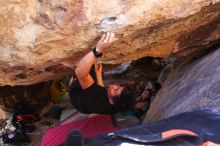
<point x="115" y="89"/>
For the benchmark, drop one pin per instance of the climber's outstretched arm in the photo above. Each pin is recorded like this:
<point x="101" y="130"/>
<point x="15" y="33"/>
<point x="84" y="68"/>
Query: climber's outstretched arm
<point x="83" y="68"/>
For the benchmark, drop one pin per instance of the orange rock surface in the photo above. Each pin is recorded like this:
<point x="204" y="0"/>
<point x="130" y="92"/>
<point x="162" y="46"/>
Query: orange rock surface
<point x="36" y="36"/>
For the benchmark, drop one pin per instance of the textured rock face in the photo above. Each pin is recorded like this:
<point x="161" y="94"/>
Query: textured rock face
<point x="2" y="114"/>
<point x="195" y="86"/>
<point x="36" y="96"/>
<point x="36" y="36"/>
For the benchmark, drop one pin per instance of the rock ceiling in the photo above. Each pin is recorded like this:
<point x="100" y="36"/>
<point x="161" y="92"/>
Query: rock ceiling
<point x="39" y="36"/>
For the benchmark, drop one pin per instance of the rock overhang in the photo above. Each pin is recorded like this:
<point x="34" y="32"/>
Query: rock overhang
<point x="40" y="35"/>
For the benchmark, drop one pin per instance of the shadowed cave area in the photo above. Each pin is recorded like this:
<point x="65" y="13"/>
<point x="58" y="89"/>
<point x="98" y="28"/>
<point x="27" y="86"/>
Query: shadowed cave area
<point x="178" y="76"/>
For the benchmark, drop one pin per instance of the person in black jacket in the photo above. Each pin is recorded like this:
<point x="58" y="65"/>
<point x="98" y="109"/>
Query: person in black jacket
<point x="88" y="93"/>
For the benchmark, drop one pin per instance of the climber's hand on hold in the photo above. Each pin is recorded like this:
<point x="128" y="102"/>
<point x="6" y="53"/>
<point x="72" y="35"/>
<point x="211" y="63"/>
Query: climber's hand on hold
<point x="105" y="41"/>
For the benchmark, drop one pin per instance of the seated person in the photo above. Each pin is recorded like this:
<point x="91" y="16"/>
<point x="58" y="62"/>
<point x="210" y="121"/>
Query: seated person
<point x="144" y="94"/>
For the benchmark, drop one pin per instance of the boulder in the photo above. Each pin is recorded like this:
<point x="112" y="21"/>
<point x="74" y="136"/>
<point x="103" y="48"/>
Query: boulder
<point x="36" y="36"/>
<point x="188" y="88"/>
